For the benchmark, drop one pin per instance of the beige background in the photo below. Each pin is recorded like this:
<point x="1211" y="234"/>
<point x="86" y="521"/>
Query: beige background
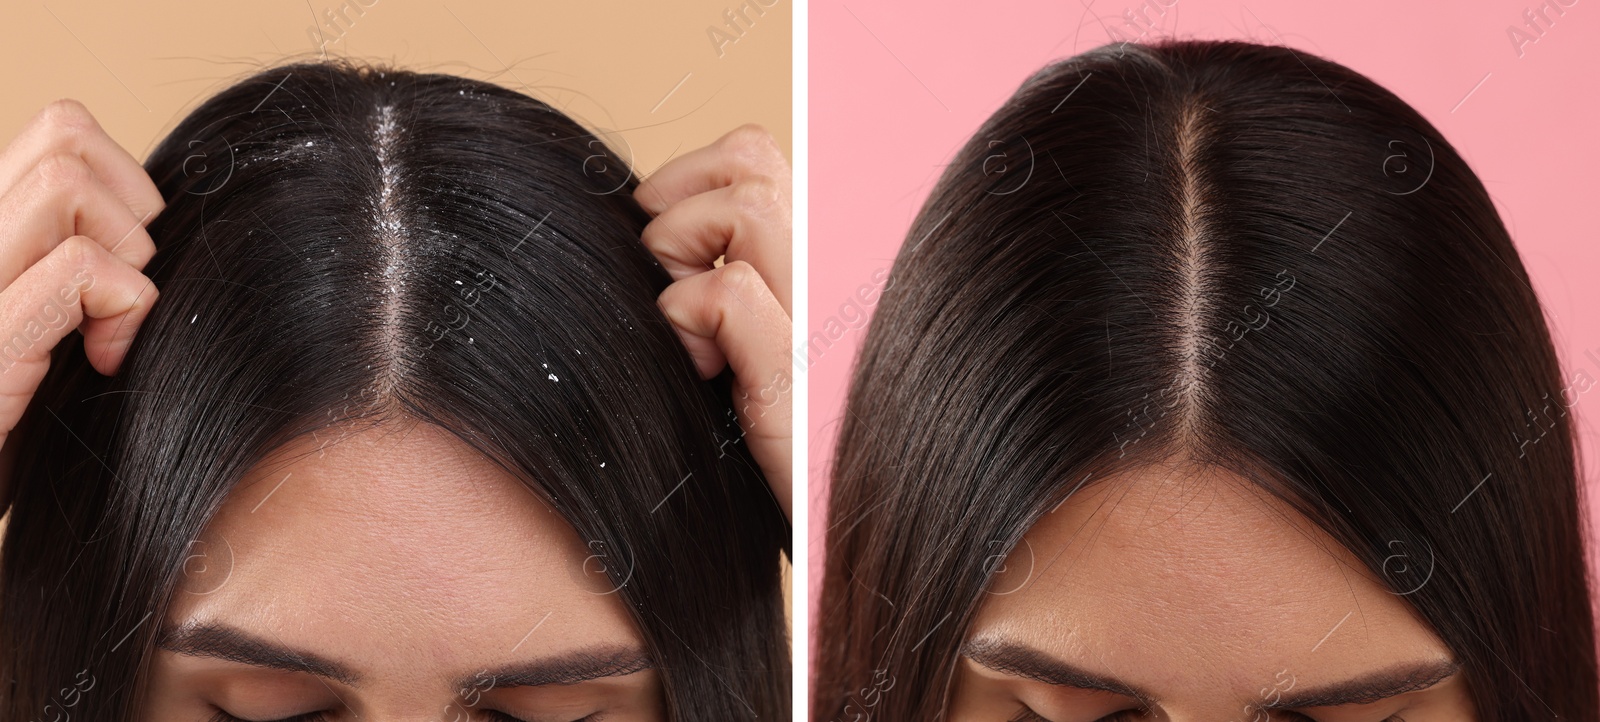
<point x="650" y="71"/>
<point x="664" y="77"/>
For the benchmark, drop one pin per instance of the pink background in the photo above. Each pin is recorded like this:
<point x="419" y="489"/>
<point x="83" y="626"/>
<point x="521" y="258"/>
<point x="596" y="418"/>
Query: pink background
<point x="897" y="86"/>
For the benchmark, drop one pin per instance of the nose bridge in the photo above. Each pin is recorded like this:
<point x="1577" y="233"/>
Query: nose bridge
<point x="1218" y="701"/>
<point x="412" y="688"/>
<point x="417" y="703"/>
<point x="1231" y="692"/>
<point x="1223" y="707"/>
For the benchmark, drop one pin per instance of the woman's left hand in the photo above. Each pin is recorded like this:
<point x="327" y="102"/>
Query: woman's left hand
<point x="732" y="199"/>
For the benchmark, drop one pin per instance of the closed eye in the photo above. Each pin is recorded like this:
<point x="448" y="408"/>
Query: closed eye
<point x="317" y="716"/>
<point x="494" y="716"/>
<point x="1028" y="715"/>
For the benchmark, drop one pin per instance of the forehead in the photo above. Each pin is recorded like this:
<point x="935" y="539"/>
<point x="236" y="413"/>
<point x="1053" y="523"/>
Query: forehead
<point x="1179" y="579"/>
<point x="343" y="538"/>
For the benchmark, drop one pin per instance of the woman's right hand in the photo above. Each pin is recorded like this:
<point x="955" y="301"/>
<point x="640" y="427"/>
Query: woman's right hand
<point x="73" y="211"/>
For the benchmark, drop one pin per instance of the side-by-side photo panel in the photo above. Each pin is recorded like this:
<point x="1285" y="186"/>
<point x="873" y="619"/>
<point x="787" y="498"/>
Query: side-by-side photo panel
<point x="1187" y="360"/>
<point x="366" y="360"/>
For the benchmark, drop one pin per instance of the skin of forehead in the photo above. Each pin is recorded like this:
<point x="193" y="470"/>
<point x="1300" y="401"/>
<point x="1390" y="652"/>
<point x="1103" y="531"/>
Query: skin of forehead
<point x="403" y="553"/>
<point x="1192" y="583"/>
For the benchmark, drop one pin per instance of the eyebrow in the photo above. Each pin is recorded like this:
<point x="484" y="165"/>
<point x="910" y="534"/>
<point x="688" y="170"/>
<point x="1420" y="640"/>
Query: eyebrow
<point x="1379" y="685"/>
<point x="1020" y="660"/>
<point x="220" y="641"/>
<point x="572" y="667"/>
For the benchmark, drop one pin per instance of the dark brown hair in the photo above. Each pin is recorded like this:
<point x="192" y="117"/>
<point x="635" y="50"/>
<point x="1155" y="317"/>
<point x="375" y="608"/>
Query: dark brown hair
<point x="349" y="245"/>
<point x="1240" y="254"/>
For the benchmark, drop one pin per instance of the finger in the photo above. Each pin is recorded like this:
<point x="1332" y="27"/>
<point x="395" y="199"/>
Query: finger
<point x="66" y="126"/>
<point x="748" y="221"/>
<point x="729" y="316"/>
<point x="79" y="285"/>
<point x="745" y="151"/>
<point x="62" y="197"/>
<point x="729" y="313"/>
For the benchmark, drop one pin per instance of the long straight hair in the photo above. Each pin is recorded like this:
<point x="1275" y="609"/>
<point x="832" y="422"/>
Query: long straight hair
<point x="1239" y="254"/>
<point x="346" y="245"/>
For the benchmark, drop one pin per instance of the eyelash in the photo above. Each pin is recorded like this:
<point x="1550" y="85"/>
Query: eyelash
<point x="1028" y="715"/>
<point x="317" y="717"/>
<point x="1127" y="715"/>
<point x="307" y="717"/>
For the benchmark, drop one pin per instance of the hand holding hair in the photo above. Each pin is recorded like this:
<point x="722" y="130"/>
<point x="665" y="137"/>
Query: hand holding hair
<point x="73" y="210"/>
<point x="731" y="199"/>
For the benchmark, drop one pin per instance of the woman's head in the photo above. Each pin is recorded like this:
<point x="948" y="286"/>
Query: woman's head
<point x="1195" y="350"/>
<point x="1190" y="590"/>
<point x="393" y="305"/>
<point x="415" y="575"/>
